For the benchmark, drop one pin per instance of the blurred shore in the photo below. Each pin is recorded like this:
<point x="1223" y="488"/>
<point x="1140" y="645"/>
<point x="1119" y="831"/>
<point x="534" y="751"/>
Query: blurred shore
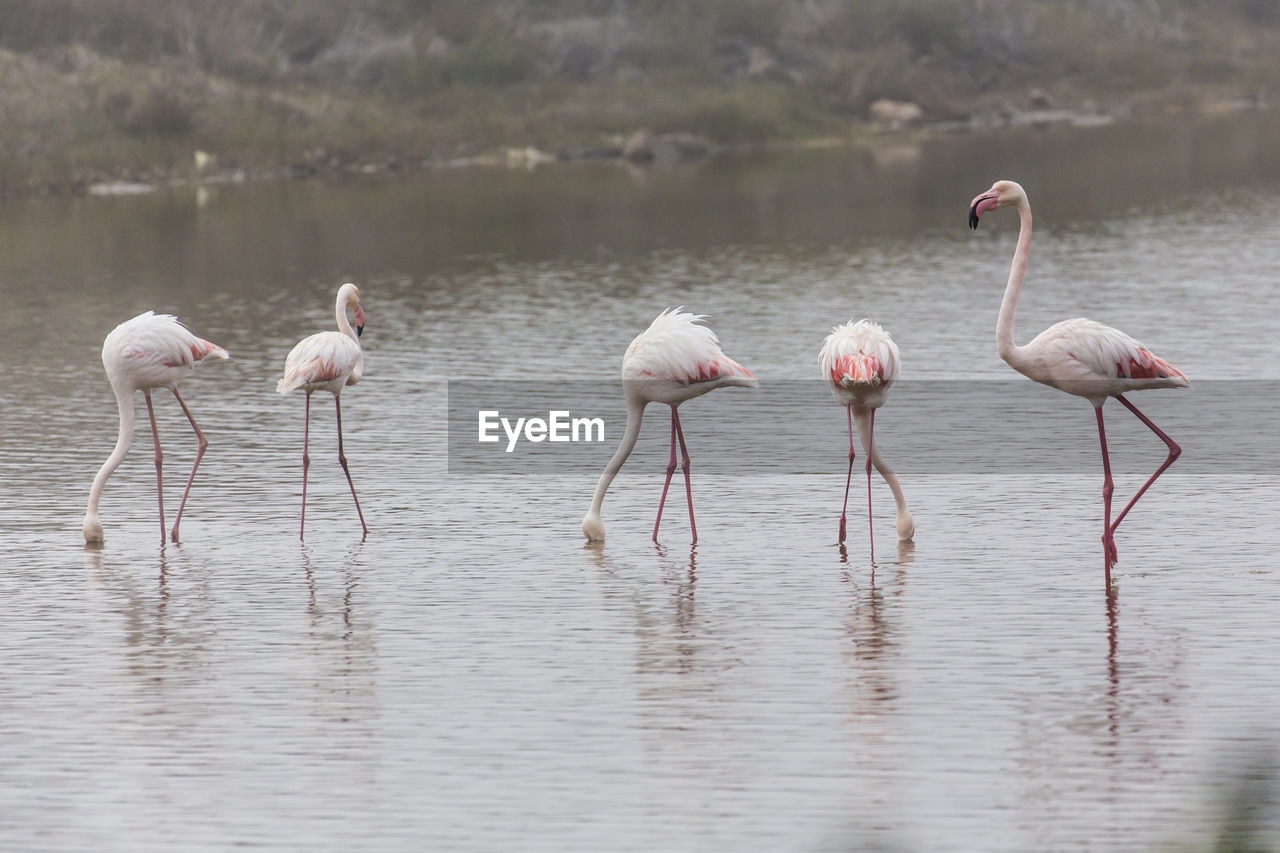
<point x="126" y="95"/>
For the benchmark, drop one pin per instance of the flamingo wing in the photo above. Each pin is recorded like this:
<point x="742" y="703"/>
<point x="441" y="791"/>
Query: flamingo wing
<point x="678" y="347"/>
<point x="1107" y="353"/>
<point x="155" y="349"/>
<point x="321" y="360"/>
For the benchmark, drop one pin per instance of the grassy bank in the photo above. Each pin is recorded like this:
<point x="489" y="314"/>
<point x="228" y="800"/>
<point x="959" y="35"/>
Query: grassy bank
<point x="130" y="89"/>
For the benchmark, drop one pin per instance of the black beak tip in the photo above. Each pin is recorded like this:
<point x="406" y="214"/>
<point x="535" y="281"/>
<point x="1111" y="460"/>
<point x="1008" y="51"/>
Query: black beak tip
<point x="973" y="217"/>
<point x="359" y="331"/>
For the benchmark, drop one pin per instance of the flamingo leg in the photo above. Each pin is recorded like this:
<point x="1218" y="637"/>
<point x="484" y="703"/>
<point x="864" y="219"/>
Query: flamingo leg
<point x="200" y="449"/>
<point x="342" y="459"/>
<point x="1109" y="555"/>
<point x="671" y="469"/>
<point x="684" y="466"/>
<point x="1174" y="452"/>
<point x="871" y="432"/>
<point x="155" y="435"/>
<point x="848" y="477"/>
<point x="306" y="463"/>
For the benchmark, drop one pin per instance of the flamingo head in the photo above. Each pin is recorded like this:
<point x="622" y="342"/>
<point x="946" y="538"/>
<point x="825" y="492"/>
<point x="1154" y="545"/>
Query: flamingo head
<point x="593" y="527"/>
<point x="906" y="525"/>
<point x="359" y="319"/>
<point x="92" y="529"/>
<point x="1001" y="194"/>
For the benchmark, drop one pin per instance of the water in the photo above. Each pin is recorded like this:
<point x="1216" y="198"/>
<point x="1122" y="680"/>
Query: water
<point x="471" y="677"/>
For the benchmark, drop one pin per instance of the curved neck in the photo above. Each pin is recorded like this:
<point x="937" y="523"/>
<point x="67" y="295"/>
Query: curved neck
<point x="344" y="325"/>
<point x="863" y="420"/>
<point x="123" y="442"/>
<point x="635" y="414"/>
<point x="1005" y="346"/>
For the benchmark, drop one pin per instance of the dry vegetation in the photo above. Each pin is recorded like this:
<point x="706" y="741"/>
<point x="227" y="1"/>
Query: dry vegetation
<point x="130" y="88"/>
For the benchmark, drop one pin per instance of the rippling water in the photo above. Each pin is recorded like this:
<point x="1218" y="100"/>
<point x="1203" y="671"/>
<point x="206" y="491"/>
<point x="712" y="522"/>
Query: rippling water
<point x="472" y="677"/>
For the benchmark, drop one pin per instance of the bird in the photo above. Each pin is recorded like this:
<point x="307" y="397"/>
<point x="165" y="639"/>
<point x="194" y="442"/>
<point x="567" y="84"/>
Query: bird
<point x="328" y="361"/>
<point x="1079" y="356"/>
<point x="859" y="363"/>
<point x="676" y="359"/>
<point x="147" y="352"/>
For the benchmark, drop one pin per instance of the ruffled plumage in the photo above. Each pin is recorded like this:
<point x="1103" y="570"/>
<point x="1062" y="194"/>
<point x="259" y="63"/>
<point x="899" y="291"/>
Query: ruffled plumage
<point x="859" y="353"/>
<point x="323" y="361"/>
<point x="678" y="347"/>
<point x="153" y="351"/>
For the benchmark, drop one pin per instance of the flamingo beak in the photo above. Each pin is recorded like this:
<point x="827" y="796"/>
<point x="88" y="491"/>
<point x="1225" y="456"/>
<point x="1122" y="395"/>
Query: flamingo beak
<point x="359" y="319"/>
<point x="980" y="205"/>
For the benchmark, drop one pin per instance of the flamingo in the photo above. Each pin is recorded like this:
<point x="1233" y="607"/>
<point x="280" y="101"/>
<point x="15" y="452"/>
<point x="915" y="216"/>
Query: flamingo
<point x="327" y="361"/>
<point x="859" y="362"/>
<point x="1081" y="357"/>
<point x="676" y="359"/>
<point x="148" y="352"/>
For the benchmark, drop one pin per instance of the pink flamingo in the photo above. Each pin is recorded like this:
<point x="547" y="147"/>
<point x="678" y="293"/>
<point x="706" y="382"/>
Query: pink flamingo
<point x="859" y="363"/>
<point x="1079" y="356"/>
<point x="676" y="359"/>
<point x="150" y="351"/>
<point x="327" y="361"/>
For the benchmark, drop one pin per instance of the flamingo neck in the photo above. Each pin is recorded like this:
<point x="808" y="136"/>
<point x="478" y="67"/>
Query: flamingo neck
<point x="863" y="419"/>
<point x="906" y="524"/>
<point x="592" y="525"/>
<point x="1005" y="346"/>
<point x="92" y="527"/>
<point x="340" y="311"/>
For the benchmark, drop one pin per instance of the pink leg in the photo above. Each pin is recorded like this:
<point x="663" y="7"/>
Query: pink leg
<point x="871" y="432"/>
<point x="159" y="459"/>
<point x="342" y="459"/>
<point x="306" y="463"/>
<point x="200" y="449"/>
<point x="848" y="477"/>
<point x="671" y="469"/>
<point x="684" y="466"/>
<point x="1109" y="555"/>
<point x="1174" y="452"/>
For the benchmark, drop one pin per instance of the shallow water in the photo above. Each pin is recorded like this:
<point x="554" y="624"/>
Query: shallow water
<point x="472" y="677"/>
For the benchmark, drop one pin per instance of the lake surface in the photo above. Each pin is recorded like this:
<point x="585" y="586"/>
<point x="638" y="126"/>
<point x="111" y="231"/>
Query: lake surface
<point x="471" y="677"/>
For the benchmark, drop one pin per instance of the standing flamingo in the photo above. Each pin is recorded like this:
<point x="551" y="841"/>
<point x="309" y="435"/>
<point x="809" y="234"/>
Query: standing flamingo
<point x="676" y="359"/>
<point x="326" y="361"/>
<point x="150" y="351"/>
<point x="1079" y="356"/>
<point x="859" y="363"/>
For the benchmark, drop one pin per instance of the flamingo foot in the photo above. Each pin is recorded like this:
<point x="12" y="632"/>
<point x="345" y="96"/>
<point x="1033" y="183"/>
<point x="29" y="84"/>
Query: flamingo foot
<point x="1109" y="553"/>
